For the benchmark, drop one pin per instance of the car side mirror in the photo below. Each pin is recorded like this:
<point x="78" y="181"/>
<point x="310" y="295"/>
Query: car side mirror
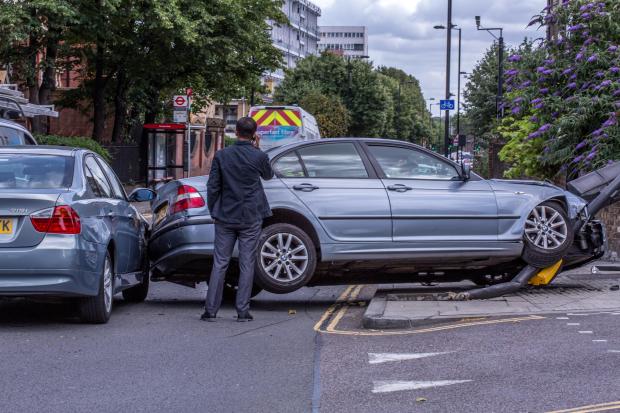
<point x="142" y="195"/>
<point x="465" y="172"/>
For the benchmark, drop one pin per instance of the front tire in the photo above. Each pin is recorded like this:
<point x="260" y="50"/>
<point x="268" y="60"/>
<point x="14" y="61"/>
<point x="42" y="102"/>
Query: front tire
<point x="547" y="235"/>
<point x="286" y="259"/>
<point x="97" y="309"/>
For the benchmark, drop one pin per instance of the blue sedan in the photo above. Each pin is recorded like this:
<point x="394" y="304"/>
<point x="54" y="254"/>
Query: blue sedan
<point x="68" y="229"/>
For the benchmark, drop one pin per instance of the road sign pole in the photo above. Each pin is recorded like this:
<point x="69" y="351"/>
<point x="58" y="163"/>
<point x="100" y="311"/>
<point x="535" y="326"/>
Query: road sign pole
<point x="189" y="137"/>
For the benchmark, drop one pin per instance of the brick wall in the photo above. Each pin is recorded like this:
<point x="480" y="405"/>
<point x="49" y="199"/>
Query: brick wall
<point x="611" y="218"/>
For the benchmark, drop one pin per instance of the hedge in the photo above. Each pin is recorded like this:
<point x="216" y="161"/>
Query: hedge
<point x="74" y="142"/>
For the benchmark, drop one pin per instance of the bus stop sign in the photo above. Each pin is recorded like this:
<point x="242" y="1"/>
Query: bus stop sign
<point x="180" y="101"/>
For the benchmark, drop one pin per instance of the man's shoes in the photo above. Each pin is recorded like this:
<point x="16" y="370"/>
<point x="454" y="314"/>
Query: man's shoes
<point x="206" y="316"/>
<point x="243" y="317"/>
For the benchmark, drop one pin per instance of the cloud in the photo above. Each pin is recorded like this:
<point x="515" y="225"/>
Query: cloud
<point x="401" y="32"/>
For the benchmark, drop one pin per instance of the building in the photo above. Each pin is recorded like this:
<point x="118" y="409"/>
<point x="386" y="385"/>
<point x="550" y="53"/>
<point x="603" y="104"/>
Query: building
<point x="296" y="40"/>
<point x="344" y="40"/>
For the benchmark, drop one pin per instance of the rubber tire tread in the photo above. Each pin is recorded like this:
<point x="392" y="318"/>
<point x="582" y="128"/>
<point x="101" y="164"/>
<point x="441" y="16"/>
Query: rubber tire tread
<point x="92" y="309"/>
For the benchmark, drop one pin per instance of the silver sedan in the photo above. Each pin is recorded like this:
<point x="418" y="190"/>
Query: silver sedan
<point x="67" y="229"/>
<point x="374" y="210"/>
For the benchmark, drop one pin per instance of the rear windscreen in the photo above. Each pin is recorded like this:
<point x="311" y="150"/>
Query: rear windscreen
<point x="27" y="171"/>
<point x="12" y="137"/>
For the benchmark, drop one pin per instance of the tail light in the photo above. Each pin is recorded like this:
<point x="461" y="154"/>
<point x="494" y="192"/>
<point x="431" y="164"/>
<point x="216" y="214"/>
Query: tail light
<point x="58" y="220"/>
<point x="188" y="197"/>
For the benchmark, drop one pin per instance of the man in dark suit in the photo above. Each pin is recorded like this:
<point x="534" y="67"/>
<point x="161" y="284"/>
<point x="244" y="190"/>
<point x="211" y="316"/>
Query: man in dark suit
<point x="238" y="205"/>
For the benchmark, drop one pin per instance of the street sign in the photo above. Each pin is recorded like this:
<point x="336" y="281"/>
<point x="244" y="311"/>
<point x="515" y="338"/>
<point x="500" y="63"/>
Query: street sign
<point x="179" y="116"/>
<point x="180" y="101"/>
<point x="446" y="104"/>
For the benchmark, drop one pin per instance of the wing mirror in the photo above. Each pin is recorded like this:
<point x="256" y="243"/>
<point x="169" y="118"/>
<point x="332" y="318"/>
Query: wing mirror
<point x="142" y="195"/>
<point x="465" y="172"/>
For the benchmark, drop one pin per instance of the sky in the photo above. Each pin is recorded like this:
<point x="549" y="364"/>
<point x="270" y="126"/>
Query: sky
<point x="401" y="32"/>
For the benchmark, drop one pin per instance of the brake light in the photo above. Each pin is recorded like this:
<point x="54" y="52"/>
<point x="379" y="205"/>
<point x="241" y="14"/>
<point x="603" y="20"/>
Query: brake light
<point x="188" y="197"/>
<point x="59" y="220"/>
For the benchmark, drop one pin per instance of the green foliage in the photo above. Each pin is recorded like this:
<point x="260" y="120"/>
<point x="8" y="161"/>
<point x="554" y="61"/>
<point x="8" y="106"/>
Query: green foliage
<point x="520" y="152"/>
<point x="74" y="142"/>
<point x="370" y="96"/>
<point x="330" y="113"/>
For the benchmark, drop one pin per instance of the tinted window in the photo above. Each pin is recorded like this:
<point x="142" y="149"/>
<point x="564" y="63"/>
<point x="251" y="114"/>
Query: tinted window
<point x="96" y="179"/>
<point x="404" y="163"/>
<point x="289" y="166"/>
<point x="333" y="160"/>
<point x="20" y="171"/>
<point x="117" y="187"/>
<point x="12" y="136"/>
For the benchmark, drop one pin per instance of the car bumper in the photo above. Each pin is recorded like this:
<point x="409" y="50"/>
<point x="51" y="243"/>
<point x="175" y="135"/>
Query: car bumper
<point x="184" y="246"/>
<point x="58" y="266"/>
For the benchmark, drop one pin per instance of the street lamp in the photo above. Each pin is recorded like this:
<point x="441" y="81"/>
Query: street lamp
<point x="448" y="48"/>
<point x="458" y="94"/>
<point x="400" y="84"/>
<point x="500" y="53"/>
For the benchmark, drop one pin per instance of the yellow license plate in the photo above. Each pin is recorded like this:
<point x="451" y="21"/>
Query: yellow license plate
<point x="6" y="226"/>
<point x="161" y="213"/>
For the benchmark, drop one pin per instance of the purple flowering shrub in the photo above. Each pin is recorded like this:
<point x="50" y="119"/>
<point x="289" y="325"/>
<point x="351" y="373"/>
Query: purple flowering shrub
<point x="563" y="96"/>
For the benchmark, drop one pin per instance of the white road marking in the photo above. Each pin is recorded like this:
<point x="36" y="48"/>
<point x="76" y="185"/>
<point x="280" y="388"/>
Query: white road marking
<point x="578" y="314"/>
<point x="585" y="332"/>
<point x="599" y="341"/>
<point x="562" y="318"/>
<point x="376" y="358"/>
<point x="613" y="351"/>
<point x="572" y="324"/>
<point x="386" y="386"/>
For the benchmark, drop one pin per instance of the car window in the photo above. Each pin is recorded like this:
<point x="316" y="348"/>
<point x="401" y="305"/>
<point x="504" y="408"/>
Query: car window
<point x="333" y="160"/>
<point x="12" y="136"/>
<point x="404" y="163"/>
<point x="289" y="166"/>
<point x="96" y="179"/>
<point x="29" y="171"/>
<point x="117" y="188"/>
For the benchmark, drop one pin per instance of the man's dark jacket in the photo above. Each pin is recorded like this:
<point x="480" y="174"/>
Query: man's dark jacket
<point x="235" y="193"/>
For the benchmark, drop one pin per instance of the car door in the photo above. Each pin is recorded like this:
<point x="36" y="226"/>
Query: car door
<point x="430" y="201"/>
<point x="111" y="208"/>
<point x="337" y="184"/>
<point x="129" y="220"/>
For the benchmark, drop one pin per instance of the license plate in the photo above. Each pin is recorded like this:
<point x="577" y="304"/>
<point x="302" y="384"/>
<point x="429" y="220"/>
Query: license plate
<point x="6" y="226"/>
<point x="161" y="213"/>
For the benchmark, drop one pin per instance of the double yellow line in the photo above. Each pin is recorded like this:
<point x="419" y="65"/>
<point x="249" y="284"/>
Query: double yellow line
<point x="603" y="407"/>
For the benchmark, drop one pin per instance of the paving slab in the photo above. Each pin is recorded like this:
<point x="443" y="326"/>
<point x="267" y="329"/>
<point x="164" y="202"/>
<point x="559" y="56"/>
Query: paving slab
<point x="407" y="307"/>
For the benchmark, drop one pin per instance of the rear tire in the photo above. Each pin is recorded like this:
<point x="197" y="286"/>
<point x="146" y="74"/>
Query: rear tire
<point x="138" y="293"/>
<point x="97" y="309"/>
<point x="286" y="259"/>
<point x="547" y="236"/>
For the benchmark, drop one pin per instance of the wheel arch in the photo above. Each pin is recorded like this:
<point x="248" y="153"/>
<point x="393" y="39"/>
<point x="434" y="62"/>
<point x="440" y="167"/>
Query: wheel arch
<point x="288" y="216"/>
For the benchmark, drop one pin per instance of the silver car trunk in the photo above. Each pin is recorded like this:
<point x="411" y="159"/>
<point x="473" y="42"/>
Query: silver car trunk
<point x="16" y="230"/>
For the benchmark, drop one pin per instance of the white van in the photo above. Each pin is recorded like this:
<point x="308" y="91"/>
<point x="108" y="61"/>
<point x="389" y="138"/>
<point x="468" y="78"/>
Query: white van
<point x="280" y="125"/>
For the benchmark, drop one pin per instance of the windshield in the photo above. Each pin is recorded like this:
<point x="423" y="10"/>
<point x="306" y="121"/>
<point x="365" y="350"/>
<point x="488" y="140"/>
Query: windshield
<point x="28" y="171"/>
<point x="12" y="137"/>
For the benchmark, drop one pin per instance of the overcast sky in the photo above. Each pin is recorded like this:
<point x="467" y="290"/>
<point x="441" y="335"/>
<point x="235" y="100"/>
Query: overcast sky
<point x="401" y="32"/>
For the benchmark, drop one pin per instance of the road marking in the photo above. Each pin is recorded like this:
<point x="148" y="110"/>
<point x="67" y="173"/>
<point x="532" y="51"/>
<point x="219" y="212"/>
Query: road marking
<point x="562" y="318"/>
<point x="613" y="351"/>
<point x="348" y="296"/>
<point x="591" y="408"/>
<point x="572" y="324"/>
<point x="585" y="332"/>
<point x="578" y="314"/>
<point x="386" y="386"/>
<point x="599" y="341"/>
<point x="376" y="358"/>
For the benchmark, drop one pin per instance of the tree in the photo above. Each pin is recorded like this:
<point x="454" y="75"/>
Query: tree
<point x="330" y="113"/>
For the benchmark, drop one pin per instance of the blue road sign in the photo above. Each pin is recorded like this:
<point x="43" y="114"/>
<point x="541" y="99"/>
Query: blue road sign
<point x="446" y="104"/>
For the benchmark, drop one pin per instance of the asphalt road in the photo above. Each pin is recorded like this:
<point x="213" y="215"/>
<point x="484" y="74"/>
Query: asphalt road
<point x="159" y="357"/>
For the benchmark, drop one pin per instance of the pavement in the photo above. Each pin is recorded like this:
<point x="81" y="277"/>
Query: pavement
<point x="402" y="306"/>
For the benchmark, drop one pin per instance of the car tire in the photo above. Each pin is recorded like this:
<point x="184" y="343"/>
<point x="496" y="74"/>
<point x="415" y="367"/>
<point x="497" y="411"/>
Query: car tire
<point x="286" y="259"/>
<point x="97" y="309"/>
<point x="547" y="235"/>
<point x="138" y="293"/>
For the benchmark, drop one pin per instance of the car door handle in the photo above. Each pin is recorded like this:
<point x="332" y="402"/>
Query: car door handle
<point x="399" y="188"/>
<point x="305" y="187"/>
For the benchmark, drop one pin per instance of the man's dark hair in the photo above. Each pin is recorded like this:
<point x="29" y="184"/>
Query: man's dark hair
<point x="246" y="127"/>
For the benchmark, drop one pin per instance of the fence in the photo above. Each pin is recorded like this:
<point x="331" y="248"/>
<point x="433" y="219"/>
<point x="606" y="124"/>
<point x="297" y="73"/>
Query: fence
<point x="128" y="163"/>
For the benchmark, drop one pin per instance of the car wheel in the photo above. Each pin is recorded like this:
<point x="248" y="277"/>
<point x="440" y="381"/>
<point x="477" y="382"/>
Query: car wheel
<point x="286" y="258"/>
<point x="97" y="309"/>
<point x="547" y="235"/>
<point x="138" y="293"/>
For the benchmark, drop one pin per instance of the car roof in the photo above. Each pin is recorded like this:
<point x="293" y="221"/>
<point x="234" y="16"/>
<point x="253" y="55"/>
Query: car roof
<point x="15" y="125"/>
<point x="279" y="149"/>
<point x="41" y="150"/>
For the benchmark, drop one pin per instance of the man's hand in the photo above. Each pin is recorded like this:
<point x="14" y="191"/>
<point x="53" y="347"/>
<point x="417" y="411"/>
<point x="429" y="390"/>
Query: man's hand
<point x="256" y="140"/>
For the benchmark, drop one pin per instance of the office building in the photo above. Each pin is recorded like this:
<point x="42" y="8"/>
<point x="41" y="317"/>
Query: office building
<point x="348" y="41"/>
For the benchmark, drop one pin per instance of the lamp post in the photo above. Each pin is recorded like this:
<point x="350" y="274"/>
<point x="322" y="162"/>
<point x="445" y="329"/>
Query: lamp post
<point x="398" y="128"/>
<point x="430" y="109"/>
<point x="448" y="49"/>
<point x="500" y="64"/>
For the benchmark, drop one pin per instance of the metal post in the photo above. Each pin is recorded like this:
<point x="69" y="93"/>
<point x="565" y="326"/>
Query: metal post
<point x="399" y="113"/>
<point x="448" y="48"/>
<point x="500" y="76"/>
<point x="458" y="96"/>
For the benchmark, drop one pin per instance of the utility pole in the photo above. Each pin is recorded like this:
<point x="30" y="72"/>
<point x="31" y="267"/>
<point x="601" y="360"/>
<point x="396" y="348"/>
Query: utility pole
<point x="500" y="56"/>
<point x="448" y="48"/>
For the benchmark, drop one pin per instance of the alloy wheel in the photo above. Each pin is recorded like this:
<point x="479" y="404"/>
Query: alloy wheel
<point x="546" y="228"/>
<point x="107" y="285"/>
<point x="284" y="257"/>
